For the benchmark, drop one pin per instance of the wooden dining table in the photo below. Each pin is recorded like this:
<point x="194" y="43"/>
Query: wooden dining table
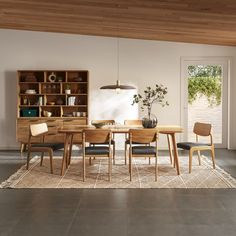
<point x="71" y="130"/>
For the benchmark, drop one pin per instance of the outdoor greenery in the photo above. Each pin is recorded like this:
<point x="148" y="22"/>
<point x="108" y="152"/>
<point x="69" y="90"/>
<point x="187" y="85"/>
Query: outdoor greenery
<point x="151" y="96"/>
<point x="205" y="80"/>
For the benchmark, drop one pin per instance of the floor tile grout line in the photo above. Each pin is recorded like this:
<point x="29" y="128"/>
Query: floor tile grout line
<point x="99" y="171"/>
<point x="73" y="217"/>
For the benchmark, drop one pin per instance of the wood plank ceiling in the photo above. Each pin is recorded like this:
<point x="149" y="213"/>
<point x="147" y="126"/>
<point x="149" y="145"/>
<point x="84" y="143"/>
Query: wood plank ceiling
<point x="194" y="21"/>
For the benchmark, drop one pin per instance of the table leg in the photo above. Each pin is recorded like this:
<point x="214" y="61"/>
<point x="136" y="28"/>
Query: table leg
<point x="65" y="153"/>
<point x="175" y="152"/>
<point x="170" y="148"/>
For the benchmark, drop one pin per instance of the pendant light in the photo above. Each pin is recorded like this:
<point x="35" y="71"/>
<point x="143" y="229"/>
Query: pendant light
<point x="118" y="86"/>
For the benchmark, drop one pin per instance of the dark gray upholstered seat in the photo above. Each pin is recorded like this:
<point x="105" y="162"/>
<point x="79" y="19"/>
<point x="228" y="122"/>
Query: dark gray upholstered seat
<point x="189" y="145"/>
<point x="97" y="150"/>
<point x="143" y="150"/>
<point x="53" y="146"/>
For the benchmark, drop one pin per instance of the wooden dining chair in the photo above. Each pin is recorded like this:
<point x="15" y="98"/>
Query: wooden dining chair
<point x="97" y="136"/>
<point x="127" y="141"/>
<point x="41" y="131"/>
<point x="200" y="129"/>
<point x="143" y="137"/>
<point x="113" y="143"/>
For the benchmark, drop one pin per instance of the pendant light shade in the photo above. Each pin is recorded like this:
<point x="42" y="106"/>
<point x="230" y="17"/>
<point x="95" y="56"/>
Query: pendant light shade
<point x="117" y="86"/>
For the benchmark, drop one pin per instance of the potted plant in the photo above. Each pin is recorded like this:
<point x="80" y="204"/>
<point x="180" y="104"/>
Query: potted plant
<point x="67" y="89"/>
<point x="149" y="97"/>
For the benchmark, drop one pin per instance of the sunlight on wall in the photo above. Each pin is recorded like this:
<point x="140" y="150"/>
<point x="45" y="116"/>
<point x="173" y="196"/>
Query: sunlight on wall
<point x="107" y="104"/>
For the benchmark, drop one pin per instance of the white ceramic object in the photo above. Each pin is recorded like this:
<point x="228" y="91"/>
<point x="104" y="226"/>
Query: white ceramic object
<point x="30" y="91"/>
<point x="67" y="91"/>
<point x="47" y="113"/>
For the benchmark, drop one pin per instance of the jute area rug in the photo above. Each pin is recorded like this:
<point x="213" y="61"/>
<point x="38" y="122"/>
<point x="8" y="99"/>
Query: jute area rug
<point x="203" y="176"/>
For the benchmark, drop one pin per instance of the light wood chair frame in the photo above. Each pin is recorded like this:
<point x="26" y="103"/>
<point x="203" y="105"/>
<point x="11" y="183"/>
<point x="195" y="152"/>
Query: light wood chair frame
<point x="202" y="129"/>
<point x="35" y="131"/>
<point x="130" y="122"/>
<point x="143" y="140"/>
<point x="109" y="122"/>
<point x="96" y="137"/>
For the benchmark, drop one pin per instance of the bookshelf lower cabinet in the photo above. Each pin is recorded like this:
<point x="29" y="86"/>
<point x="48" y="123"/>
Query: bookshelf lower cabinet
<point x="53" y="126"/>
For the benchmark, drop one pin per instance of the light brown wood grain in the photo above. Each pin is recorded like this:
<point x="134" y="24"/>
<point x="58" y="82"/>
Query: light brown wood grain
<point x="59" y="120"/>
<point x="208" y="22"/>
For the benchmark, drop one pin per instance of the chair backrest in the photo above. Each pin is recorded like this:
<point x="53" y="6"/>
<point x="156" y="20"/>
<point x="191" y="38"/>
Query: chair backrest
<point x="143" y="135"/>
<point x="133" y="122"/>
<point x="202" y="129"/>
<point x="96" y="135"/>
<point x="37" y="129"/>
<point x="108" y="122"/>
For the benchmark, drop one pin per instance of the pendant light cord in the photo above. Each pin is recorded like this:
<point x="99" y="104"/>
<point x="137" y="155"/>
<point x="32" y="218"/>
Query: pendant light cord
<point x="118" y="59"/>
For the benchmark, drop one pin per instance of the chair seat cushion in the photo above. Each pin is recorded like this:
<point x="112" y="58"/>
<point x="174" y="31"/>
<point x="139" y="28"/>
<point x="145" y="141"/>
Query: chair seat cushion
<point x="144" y="150"/>
<point x="107" y="143"/>
<point x="53" y="146"/>
<point x="97" y="150"/>
<point x="189" y="145"/>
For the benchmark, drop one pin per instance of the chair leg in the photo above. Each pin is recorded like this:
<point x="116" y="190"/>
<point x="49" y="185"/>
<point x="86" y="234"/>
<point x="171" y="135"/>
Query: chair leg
<point x="213" y="157"/>
<point x="114" y="153"/>
<point x="125" y="153"/>
<point x="190" y="160"/>
<point x="22" y="147"/>
<point x="199" y="157"/>
<point x="28" y="159"/>
<point x="109" y="168"/>
<point x="156" y="170"/>
<point x="42" y="155"/>
<point x="149" y="161"/>
<point x="130" y="166"/>
<point x="93" y="146"/>
<point x="90" y="160"/>
<point x="51" y="165"/>
<point x="84" y="168"/>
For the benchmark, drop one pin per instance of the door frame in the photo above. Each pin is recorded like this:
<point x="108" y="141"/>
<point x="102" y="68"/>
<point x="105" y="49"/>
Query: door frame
<point x="225" y="62"/>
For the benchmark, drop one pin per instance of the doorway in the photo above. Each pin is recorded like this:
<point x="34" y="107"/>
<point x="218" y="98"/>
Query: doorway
<point x="204" y="93"/>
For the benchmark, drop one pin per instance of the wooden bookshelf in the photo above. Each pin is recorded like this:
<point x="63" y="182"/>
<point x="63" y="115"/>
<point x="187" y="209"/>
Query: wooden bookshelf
<point x="43" y="96"/>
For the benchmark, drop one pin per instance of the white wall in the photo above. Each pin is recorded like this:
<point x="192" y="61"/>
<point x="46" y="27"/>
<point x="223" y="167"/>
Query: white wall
<point x="141" y="63"/>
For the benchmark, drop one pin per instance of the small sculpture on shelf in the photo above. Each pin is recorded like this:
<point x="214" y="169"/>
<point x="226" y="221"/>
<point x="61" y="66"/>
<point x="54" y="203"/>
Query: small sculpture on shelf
<point x="52" y="77"/>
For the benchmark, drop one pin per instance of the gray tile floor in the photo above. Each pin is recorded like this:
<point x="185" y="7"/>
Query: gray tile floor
<point x="117" y="211"/>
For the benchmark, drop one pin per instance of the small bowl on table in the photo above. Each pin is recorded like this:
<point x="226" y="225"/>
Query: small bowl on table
<point x="98" y="125"/>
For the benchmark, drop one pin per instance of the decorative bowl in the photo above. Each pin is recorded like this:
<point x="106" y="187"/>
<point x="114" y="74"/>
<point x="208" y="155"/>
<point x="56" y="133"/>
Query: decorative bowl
<point x="99" y="125"/>
<point x="30" y="91"/>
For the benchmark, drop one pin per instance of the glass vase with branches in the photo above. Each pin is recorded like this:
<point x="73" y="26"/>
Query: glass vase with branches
<point x="151" y="96"/>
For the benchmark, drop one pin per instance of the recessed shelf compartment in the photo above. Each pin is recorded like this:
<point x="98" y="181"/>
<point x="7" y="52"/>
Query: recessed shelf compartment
<point x="42" y="97"/>
<point x="46" y="90"/>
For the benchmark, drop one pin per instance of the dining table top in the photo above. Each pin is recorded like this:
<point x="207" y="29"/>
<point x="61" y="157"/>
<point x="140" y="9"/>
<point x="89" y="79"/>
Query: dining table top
<point x="120" y="128"/>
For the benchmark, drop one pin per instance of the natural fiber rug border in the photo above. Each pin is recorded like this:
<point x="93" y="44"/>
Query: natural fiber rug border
<point x="15" y="178"/>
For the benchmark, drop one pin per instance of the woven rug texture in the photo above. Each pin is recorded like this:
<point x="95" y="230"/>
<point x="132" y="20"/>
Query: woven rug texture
<point x="203" y="176"/>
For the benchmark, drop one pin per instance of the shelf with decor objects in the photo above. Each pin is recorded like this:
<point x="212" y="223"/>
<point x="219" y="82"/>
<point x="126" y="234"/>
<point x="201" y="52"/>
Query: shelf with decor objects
<point x="56" y="97"/>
